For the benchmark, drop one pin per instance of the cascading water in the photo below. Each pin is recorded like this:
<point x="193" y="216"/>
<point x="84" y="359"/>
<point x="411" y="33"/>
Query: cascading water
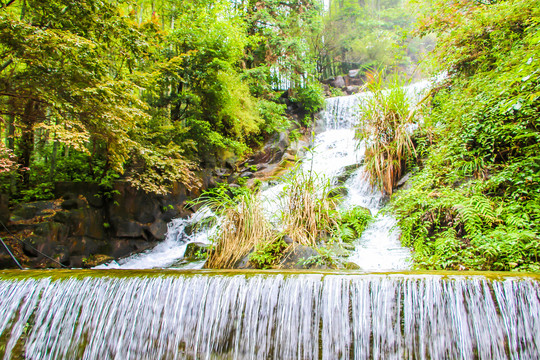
<point x="113" y="314"/>
<point x="379" y="247"/>
<point x="334" y="149"/>
<point x="168" y="315"/>
<point x="169" y="253"/>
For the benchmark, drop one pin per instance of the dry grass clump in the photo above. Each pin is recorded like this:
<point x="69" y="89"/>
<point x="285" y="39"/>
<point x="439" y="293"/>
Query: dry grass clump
<point x="386" y="118"/>
<point x="309" y="211"/>
<point x="243" y="226"/>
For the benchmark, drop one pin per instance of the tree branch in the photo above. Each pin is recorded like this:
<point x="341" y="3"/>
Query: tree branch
<point x="8" y="3"/>
<point x="7" y="63"/>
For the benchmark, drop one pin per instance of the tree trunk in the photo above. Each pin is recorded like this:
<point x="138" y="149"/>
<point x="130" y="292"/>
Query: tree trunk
<point x="28" y="119"/>
<point x="53" y="159"/>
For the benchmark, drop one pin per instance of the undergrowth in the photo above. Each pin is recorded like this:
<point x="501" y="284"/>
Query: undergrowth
<point x="386" y="117"/>
<point x="242" y="227"/>
<point x="475" y="199"/>
<point x="308" y="215"/>
<point x="267" y="255"/>
<point x="352" y="223"/>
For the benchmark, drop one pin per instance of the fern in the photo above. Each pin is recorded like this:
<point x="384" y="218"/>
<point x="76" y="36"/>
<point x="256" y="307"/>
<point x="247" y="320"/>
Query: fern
<point x="352" y="223"/>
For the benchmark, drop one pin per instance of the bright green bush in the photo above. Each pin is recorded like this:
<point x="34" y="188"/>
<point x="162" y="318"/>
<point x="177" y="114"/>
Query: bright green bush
<point x="267" y="255"/>
<point x="352" y="223"/>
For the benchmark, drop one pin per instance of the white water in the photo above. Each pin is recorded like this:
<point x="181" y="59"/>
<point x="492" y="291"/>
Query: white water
<point x="269" y="316"/>
<point x="168" y="253"/>
<point x="333" y="149"/>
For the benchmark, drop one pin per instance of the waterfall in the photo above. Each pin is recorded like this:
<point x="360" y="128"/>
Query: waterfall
<point x="333" y="150"/>
<point x="233" y="315"/>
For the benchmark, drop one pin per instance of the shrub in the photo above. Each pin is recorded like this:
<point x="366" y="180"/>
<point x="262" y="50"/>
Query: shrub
<point x="385" y="121"/>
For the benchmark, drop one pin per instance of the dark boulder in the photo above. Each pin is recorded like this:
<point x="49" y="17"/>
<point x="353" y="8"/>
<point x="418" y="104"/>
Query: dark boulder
<point x="24" y="212"/>
<point x="4" y="208"/>
<point x="302" y="257"/>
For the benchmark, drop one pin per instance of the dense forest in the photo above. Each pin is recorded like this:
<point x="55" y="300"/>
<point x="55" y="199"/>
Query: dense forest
<point x="150" y="91"/>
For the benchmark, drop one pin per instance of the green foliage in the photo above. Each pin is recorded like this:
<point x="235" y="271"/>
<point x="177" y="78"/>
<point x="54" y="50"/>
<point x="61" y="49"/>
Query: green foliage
<point x="474" y="202"/>
<point x="367" y="34"/>
<point x="43" y="191"/>
<point x="294" y="135"/>
<point x="385" y="119"/>
<point x="221" y="196"/>
<point x="311" y="96"/>
<point x="336" y="91"/>
<point x="352" y="223"/>
<point x="267" y="255"/>
<point x="274" y="117"/>
<point x="201" y="254"/>
<point x="148" y="92"/>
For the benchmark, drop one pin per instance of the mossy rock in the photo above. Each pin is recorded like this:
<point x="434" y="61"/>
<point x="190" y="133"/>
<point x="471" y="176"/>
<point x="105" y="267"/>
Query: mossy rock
<point x="95" y="260"/>
<point x="348" y="171"/>
<point x="349" y="265"/>
<point x="196" y="251"/>
<point x="300" y="256"/>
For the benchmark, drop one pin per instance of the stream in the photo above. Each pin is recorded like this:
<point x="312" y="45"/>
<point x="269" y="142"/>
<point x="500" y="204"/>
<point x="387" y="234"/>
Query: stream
<point x="333" y="150"/>
<point x="144" y="308"/>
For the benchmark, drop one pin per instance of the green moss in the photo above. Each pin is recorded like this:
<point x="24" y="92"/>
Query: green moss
<point x="119" y="274"/>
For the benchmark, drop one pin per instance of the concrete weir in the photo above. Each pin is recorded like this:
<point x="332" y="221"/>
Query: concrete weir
<point x="151" y="314"/>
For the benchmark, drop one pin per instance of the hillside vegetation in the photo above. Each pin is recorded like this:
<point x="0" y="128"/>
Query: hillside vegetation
<point x="475" y="198"/>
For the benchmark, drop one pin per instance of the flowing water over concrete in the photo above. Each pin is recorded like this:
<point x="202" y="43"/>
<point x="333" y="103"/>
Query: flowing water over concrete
<point x="234" y="315"/>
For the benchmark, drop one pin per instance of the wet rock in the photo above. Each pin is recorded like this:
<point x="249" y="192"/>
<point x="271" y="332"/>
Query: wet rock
<point x="61" y="254"/>
<point x="287" y="239"/>
<point x="82" y="225"/>
<point x="339" y="82"/>
<point x="244" y="263"/>
<point x="76" y="261"/>
<point x="247" y="175"/>
<point x="338" y="191"/>
<point x="24" y="212"/>
<point x="95" y="260"/>
<point x="128" y="228"/>
<point x="339" y="250"/>
<point x="86" y="246"/>
<point x="354" y="73"/>
<point x="91" y="192"/>
<point x="329" y="80"/>
<point x="299" y="257"/>
<point x="123" y="247"/>
<point x="73" y="203"/>
<point x="261" y="167"/>
<point x="348" y="171"/>
<point x="349" y="265"/>
<point x="196" y="251"/>
<point x="403" y="183"/>
<point x="220" y="172"/>
<point x="30" y="245"/>
<point x="352" y="89"/>
<point x="158" y="229"/>
<point x="298" y="148"/>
